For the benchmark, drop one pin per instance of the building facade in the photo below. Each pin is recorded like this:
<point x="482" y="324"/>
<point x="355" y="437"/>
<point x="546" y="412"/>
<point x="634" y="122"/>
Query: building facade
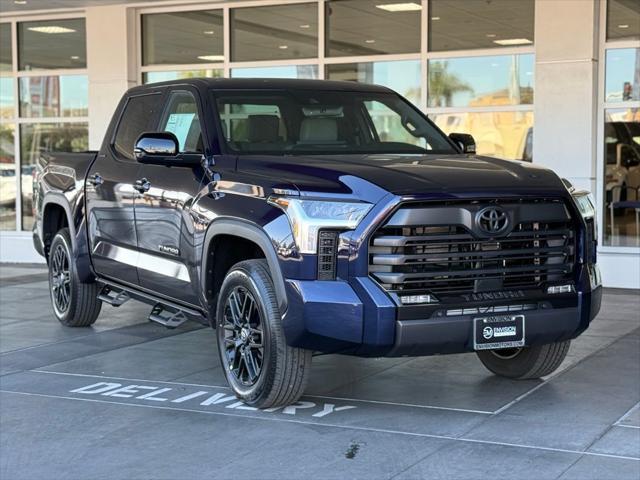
<point x="554" y="82"/>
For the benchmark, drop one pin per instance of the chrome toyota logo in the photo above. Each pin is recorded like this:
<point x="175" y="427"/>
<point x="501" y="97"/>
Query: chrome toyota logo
<point x="492" y="220"/>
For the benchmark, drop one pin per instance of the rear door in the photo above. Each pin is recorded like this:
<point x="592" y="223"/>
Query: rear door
<point x="165" y="228"/>
<point x="110" y="194"/>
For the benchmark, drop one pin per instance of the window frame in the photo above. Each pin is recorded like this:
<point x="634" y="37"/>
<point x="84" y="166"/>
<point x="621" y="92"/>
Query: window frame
<point x="17" y="120"/>
<point x="602" y="106"/>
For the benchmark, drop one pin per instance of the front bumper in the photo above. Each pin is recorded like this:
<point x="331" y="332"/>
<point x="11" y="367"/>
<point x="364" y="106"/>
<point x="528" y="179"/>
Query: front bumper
<point x="359" y="318"/>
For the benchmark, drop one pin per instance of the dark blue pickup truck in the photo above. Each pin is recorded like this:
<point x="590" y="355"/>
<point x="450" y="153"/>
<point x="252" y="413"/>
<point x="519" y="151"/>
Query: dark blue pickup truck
<point x="302" y="216"/>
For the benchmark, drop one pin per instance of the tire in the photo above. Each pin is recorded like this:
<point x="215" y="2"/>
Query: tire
<point x="75" y="304"/>
<point x="261" y="369"/>
<point x="525" y="363"/>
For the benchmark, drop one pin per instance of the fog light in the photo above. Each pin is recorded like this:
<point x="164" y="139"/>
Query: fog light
<point x="561" y="289"/>
<point x="416" y="299"/>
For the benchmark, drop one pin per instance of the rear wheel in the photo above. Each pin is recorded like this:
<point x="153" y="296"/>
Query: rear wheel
<point x="527" y="362"/>
<point x="261" y="369"/>
<point x="75" y="304"/>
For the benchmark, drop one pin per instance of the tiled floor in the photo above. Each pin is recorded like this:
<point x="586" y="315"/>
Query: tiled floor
<point x="436" y="417"/>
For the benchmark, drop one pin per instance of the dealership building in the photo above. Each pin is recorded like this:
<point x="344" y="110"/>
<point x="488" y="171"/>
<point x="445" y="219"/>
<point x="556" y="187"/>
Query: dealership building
<point x="553" y="82"/>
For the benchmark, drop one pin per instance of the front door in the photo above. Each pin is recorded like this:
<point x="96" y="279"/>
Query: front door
<point x="110" y="194"/>
<point x="168" y="258"/>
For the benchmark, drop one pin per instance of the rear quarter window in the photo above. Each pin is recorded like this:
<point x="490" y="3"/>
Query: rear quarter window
<point x="136" y="119"/>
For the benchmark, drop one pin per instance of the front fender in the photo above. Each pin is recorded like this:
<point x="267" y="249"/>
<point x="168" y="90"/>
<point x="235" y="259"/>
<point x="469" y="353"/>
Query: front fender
<point x="249" y="231"/>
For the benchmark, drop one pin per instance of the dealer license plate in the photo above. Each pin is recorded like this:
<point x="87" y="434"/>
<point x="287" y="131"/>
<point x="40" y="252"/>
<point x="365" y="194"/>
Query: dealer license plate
<point x="498" y="331"/>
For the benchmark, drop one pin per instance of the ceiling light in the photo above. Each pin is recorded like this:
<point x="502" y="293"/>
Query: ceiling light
<point x="435" y="18"/>
<point x="624" y="25"/>
<point x="491" y="35"/>
<point x="306" y="25"/>
<point x="513" y="41"/>
<point x="400" y="7"/>
<point x="283" y="47"/>
<point x="51" y="29"/>
<point x="212" y="58"/>
<point x="75" y="57"/>
<point x="208" y="32"/>
<point x="369" y="41"/>
<point x="20" y="2"/>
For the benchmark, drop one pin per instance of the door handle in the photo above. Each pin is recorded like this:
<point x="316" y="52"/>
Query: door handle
<point x="95" y="180"/>
<point x="143" y="185"/>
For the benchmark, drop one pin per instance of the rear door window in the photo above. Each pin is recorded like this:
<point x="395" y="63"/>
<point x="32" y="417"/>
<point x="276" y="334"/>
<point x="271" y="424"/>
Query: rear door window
<point x="136" y="119"/>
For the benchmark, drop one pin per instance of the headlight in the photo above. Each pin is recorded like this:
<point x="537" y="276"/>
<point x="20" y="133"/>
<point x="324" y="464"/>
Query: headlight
<point x="584" y="202"/>
<point x="308" y="217"/>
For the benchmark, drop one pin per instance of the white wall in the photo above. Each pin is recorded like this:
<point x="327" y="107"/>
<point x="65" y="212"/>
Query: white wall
<point x="111" y="62"/>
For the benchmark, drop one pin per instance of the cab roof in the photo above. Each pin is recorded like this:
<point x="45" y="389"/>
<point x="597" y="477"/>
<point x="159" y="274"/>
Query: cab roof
<point x="264" y="83"/>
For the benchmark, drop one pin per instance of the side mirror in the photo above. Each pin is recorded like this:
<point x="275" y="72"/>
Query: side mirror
<point x="162" y="148"/>
<point x="464" y="141"/>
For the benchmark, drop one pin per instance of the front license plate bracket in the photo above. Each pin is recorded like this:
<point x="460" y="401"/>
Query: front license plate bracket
<point x="498" y="331"/>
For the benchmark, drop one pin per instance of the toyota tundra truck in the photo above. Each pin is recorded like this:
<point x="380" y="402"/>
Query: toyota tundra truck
<point x="305" y="217"/>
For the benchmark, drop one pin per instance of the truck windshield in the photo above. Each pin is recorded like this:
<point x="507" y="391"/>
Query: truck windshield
<point x="298" y="122"/>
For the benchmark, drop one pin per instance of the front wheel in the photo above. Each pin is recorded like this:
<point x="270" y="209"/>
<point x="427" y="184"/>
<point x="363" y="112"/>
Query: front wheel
<point x="261" y="369"/>
<point x="75" y="304"/>
<point x="527" y="362"/>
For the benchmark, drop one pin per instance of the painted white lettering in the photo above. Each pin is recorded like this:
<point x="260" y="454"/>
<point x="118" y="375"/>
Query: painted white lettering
<point x="123" y="392"/>
<point x="97" y="388"/>
<point x="330" y="408"/>
<point x="272" y="409"/>
<point x="291" y="409"/>
<point x="217" y="398"/>
<point x="152" y="395"/>
<point x="241" y="406"/>
<point x="189" y="397"/>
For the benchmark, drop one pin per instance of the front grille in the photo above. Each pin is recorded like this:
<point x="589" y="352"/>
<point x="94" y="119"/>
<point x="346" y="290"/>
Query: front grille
<point x="449" y="259"/>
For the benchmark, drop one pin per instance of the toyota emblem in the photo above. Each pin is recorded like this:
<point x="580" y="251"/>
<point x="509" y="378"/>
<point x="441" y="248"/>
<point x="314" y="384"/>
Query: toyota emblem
<point x="492" y="220"/>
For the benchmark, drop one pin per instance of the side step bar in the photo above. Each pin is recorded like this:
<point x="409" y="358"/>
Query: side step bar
<point x="168" y="317"/>
<point x="113" y="296"/>
<point x="164" y="312"/>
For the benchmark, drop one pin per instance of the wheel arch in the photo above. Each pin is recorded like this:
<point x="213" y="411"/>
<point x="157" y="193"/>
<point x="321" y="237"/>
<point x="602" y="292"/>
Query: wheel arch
<point x="56" y="214"/>
<point x="245" y="232"/>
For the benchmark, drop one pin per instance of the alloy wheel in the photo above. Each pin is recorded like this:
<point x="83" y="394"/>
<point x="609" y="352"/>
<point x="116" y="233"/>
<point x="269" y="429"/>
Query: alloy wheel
<point x="243" y="336"/>
<point x="60" y="280"/>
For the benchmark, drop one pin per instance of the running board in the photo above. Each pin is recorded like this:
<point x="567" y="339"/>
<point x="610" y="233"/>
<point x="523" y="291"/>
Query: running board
<point x="170" y="318"/>
<point x="164" y="312"/>
<point x="113" y="295"/>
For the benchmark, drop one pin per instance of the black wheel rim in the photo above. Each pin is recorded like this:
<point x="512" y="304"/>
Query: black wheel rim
<point x="242" y="335"/>
<point x="60" y="277"/>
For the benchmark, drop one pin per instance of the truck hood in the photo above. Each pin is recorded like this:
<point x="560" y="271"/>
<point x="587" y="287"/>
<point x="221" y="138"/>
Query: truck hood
<point x="403" y="174"/>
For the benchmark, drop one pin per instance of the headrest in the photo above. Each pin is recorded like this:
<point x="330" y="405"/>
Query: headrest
<point x="263" y="128"/>
<point x="319" y="130"/>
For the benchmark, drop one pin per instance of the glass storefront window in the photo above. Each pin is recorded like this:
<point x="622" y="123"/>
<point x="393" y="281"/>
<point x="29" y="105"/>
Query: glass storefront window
<point x="52" y="44"/>
<point x="401" y="76"/>
<point x="274" y="33"/>
<point x="481" y="81"/>
<point x="472" y="24"/>
<point x="36" y="138"/>
<point x="7" y="100"/>
<point x="622" y="177"/>
<point x="623" y="19"/>
<point x="63" y="96"/>
<point x="285" y="71"/>
<point x="6" y="64"/>
<point x="622" y="75"/>
<point x="152" y="77"/>
<point x="498" y="134"/>
<point x="371" y="27"/>
<point x="8" y="184"/>
<point x="182" y="38"/>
